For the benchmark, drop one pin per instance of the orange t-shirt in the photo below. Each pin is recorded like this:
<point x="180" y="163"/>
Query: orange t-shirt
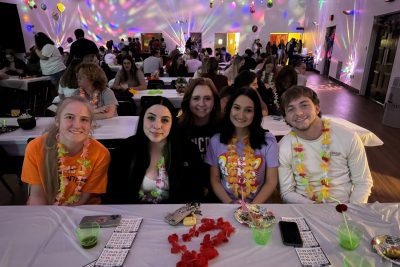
<point x="33" y="170"/>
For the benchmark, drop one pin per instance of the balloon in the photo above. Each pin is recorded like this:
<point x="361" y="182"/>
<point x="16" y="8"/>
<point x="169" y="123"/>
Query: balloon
<point x="29" y="27"/>
<point x="254" y="28"/>
<point x="55" y="15"/>
<point x="60" y="7"/>
<point x="270" y="3"/>
<point x="70" y="40"/>
<point x="43" y="6"/>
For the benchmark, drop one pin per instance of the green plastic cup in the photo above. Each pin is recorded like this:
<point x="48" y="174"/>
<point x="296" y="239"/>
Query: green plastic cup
<point x="349" y="238"/>
<point x="261" y="234"/>
<point x="87" y="234"/>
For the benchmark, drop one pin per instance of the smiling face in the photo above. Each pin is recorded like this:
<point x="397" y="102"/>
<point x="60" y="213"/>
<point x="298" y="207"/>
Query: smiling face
<point x="127" y="64"/>
<point x="201" y="102"/>
<point x="242" y="112"/>
<point x="74" y="124"/>
<point x="157" y="123"/>
<point x="302" y="113"/>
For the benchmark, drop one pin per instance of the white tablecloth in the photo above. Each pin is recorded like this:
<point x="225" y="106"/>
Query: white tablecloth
<point x="171" y="94"/>
<point x="279" y="127"/>
<point x="21" y="84"/>
<point x="115" y="128"/>
<point x="44" y="235"/>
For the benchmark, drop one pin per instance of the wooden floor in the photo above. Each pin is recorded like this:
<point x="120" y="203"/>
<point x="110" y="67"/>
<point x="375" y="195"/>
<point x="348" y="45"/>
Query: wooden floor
<point x="383" y="160"/>
<point x="335" y="100"/>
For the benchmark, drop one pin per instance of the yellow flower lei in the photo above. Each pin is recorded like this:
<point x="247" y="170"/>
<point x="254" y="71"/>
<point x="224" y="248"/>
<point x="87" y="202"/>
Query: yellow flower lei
<point x="84" y="164"/>
<point x="241" y="176"/>
<point x="300" y="172"/>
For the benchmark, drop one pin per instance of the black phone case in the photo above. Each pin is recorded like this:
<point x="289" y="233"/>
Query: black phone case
<point x="290" y="234"/>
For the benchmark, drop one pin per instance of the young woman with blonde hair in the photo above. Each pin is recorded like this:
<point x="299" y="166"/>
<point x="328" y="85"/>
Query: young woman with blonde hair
<point x="65" y="166"/>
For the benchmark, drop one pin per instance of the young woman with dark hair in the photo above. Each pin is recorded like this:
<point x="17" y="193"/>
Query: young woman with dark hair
<point x="156" y="165"/>
<point x="248" y="78"/>
<point x="51" y="61"/>
<point x="200" y="119"/>
<point x="13" y="65"/>
<point x="129" y="76"/>
<point x="243" y="157"/>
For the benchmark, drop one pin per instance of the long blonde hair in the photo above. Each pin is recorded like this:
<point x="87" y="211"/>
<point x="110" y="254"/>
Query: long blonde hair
<point x="50" y="164"/>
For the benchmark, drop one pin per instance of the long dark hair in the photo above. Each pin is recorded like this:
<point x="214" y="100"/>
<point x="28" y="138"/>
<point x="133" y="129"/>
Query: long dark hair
<point x="186" y="120"/>
<point x="132" y="72"/>
<point x="287" y="73"/>
<point x="172" y="138"/>
<point x="244" y="79"/>
<point x="256" y="132"/>
<point x="41" y="39"/>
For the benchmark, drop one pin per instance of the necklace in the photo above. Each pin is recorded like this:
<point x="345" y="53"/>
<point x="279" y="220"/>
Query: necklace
<point x="95" y="97"/>
<point x="162" y="185"/>
<point x="207" y="247"/>
<point x="300" y="171"/>
<point x="81" y="177"/>
<point x="241" y="175"/>
<point x="276" y="98"/>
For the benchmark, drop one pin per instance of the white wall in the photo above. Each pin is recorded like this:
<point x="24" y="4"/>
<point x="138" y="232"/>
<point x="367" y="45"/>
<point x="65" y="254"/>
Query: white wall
<point x="353" y="35"/>
<point x="139" y="16"/>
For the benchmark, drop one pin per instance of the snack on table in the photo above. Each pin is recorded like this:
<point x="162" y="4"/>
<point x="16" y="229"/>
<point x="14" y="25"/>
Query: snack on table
<point x="387" y="247"/>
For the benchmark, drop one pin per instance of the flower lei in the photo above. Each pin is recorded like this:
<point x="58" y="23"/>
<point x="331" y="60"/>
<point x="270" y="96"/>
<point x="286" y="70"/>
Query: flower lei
<point x="94" y="99"/>
<point x="207" y="247"/>
<point x="300" y="170"/>
<point x="276" y="99"/>
<point x="84" y="164"/>
<point x="159" y="193"/>
<point x="241" y="176"/>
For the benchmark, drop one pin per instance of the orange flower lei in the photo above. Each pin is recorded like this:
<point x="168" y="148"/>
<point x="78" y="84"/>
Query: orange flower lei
<point x="94" y="99"/>
<point x="241" y="175"/>
<point x="84" y="164"/>
<point x="300" y="170"/>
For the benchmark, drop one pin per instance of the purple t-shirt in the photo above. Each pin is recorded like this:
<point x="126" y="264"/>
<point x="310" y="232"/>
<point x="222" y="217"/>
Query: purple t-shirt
<point x="266" y="157"/>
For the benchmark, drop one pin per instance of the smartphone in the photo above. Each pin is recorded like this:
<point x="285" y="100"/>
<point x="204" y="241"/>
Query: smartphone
<point x="103" y="220"/>
<point x="290" y="234"/>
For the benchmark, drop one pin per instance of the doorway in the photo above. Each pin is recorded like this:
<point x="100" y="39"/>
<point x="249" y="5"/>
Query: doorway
<point x="329" y="40"/>
<point x="387" y="37"/>
<point x="228" y="40"/>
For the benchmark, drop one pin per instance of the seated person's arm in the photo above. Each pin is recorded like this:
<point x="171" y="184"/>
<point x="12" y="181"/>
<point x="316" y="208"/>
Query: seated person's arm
<point x="118" y="85"/>
<point x="37" y="195"/>
<point x="217" y="186"/>
<point x="105" y="112"/>
<point x="271" y="180"/>
<point x="40" y="55"/>
<point x="142" y="81"/>
<point x="360" y="174"/>
<point x="82" y="200"/>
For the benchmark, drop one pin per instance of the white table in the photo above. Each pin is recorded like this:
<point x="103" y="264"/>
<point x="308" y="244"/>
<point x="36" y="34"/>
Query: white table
<point x="171" y="94"/>
<point x="114" y="128"/>
<point x="168" y="80"/>
<point x="45" y="235"/>
<point x="21" y="84"/>
<point x="279" y="127"/>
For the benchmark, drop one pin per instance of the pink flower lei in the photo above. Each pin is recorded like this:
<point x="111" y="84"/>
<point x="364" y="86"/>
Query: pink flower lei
<point x="84" y="164"/>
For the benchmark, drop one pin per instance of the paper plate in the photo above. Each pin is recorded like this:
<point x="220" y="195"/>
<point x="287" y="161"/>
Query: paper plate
<point x="258" y="213"/>
<point x="387" y="247"/>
